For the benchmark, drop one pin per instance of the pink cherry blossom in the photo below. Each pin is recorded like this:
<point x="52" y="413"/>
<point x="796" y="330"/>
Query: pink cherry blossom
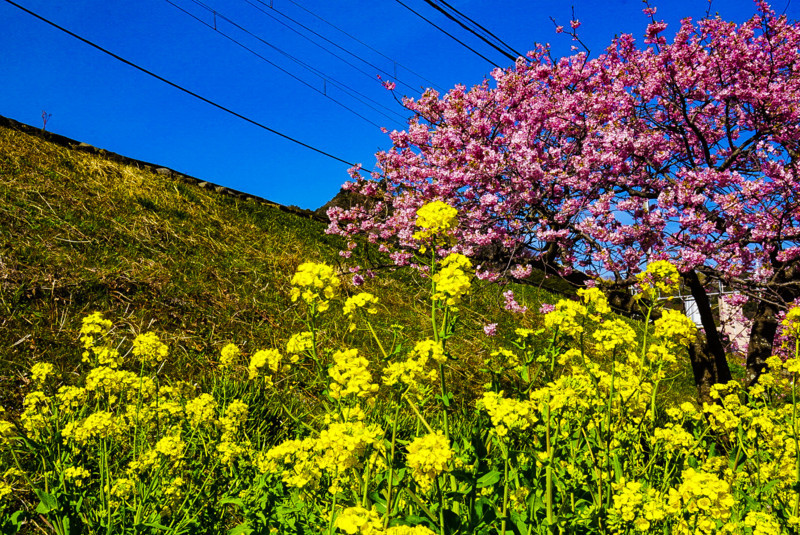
<point x="592" y="167"/>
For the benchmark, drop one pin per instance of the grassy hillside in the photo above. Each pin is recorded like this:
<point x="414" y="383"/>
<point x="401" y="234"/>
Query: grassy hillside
<point x="82" y="233"/>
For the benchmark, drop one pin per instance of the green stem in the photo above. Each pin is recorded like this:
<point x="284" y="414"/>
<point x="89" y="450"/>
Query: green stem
<point x="443" y="389"/>
<point x="333" y="512"/>
<point x="391" y="468"/>
<point x="549" y="473"/>
<point x="107" y="485"/>
<point x="794" y="432"/>
<point x="419" y="415"/>
<point x="505" y="489"/>
<point x="377" y="340"/>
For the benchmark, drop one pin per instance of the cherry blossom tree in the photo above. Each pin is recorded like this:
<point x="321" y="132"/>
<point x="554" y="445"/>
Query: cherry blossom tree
<point x="590" y="168"/>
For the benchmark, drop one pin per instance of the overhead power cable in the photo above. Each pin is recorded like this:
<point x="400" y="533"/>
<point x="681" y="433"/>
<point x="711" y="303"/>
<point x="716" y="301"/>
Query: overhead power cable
<point x="179" y="87"/>
<point x="316" y="72"/>
<point x="458" y="17"/>
<point x="462" y="43"/>
<point x="356" y="39"/>
<point x="311" y="30"/>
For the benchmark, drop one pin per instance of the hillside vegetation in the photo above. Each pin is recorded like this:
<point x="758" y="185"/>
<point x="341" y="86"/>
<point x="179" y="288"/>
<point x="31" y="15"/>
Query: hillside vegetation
<point x="81" y="233"/>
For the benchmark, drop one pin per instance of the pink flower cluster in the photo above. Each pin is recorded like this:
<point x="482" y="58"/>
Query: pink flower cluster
<point x="682" y="150"/>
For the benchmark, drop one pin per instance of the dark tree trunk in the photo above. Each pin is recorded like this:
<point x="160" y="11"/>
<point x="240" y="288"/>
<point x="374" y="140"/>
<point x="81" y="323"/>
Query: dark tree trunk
<point x="709" y="363"/>
<point x="762" y="336"/>
<point x="782" y="289"/>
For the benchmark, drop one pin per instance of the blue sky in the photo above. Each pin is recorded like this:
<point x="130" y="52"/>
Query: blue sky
<point x="96" y="99"/>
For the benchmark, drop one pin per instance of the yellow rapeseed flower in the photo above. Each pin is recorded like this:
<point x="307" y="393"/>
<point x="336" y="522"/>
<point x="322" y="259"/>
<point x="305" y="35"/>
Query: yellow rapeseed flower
<point x="507" y="414"/>
<point x="364" y="300"/>
<point x="71" y="398"/>
<point x="567" y="316"/>
<point x="36" y="412"/>
<point x="234" y="417"/>
<point x="171" y="446"/>
<point x="316" y="284"/>
<point x="428" y="456"/>
<point x="350" y="375"/>
<point x="675" y="329"/>
<point x="660" y="278"/>
<point x="228" y="355"/>
<point x="359" y="521"/>
<point x="201" y="410"/>
<point x="435" y="218"/>
<point x="76" y="475"/>
<point x="101" y="424"/>
<point x="595" y="301"/>
<point x="150" y="349"/>
<point x="453" y="279"/>
<point x="7" y="431"/>
<point x="417" y="369"/>
<point x="614" y="334"/>
<point x="39" y="373"/>
<point x="294" y="460"/>
<point x="269" y="358"/>
<point x="299" y="343"/>
<point x="94" y="326"/>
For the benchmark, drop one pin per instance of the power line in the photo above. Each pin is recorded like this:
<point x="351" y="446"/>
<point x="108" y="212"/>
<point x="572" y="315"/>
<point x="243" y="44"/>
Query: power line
<point x="356" y="39"/>
<point x="296" y="60"/>
<point x="311" y="30"/>
<point x="176" y="86"/>
<point x="447" y="33"/>
<point x="457" y="16"/>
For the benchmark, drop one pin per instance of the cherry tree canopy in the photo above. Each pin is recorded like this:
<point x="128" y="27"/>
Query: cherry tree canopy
<point x="685" y="151"/>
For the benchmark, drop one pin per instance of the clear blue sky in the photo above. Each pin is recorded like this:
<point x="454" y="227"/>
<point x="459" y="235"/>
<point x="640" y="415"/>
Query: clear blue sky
<point x="99" y="100"/>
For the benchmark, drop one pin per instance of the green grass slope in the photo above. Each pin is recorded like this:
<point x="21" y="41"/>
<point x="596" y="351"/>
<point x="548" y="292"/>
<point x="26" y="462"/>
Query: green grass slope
<point x="80" y="232"/>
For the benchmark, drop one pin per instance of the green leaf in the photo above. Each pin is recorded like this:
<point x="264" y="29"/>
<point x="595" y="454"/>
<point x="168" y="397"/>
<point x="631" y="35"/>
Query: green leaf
<point x="520" y="523"/>
<point x="47" y="502"/>
<point x="242" y="529"/>
<point x="489" y="479"/>
<point x="617" y="467"/>
<point x="234" y="501"/>
<point x="156" y="525"/>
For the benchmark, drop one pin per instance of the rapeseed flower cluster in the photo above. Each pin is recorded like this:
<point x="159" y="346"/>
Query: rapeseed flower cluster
<point x="508" y="415"/>
<point x="453" y="280"/>
<point x="350" y="375"/>
<point x="228" y="355"/>
<point x="596" y="303"/>
<point x="266" y="360"/>
<point x="675" y="329"/>
<point x="300" y="343"/>
<point x="428" y="456"/>
<point x="418" y="369"/>
<point x="340" y="447"/>
<point x="359" y="521"/>
<point x="435" y="218"/>
<point x="364" y="300"/>
<point x="660" y="278"/>
<point x="36" y="413"/>
<point x="612" y="335"/>
<point x="149" y="349"/>
<point x="96" y="426"/>
<point x="635" y="505"/>
<point x="567" y="318"/>
<point x="201" y="410"/>
<point x="703" y="500"/>
<point x="316" y="284"/>
<point x="77" y="475"/>
<point x="96" y="329"/>
<point x="791" y="324"/>
<point x="40" y="372"/>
